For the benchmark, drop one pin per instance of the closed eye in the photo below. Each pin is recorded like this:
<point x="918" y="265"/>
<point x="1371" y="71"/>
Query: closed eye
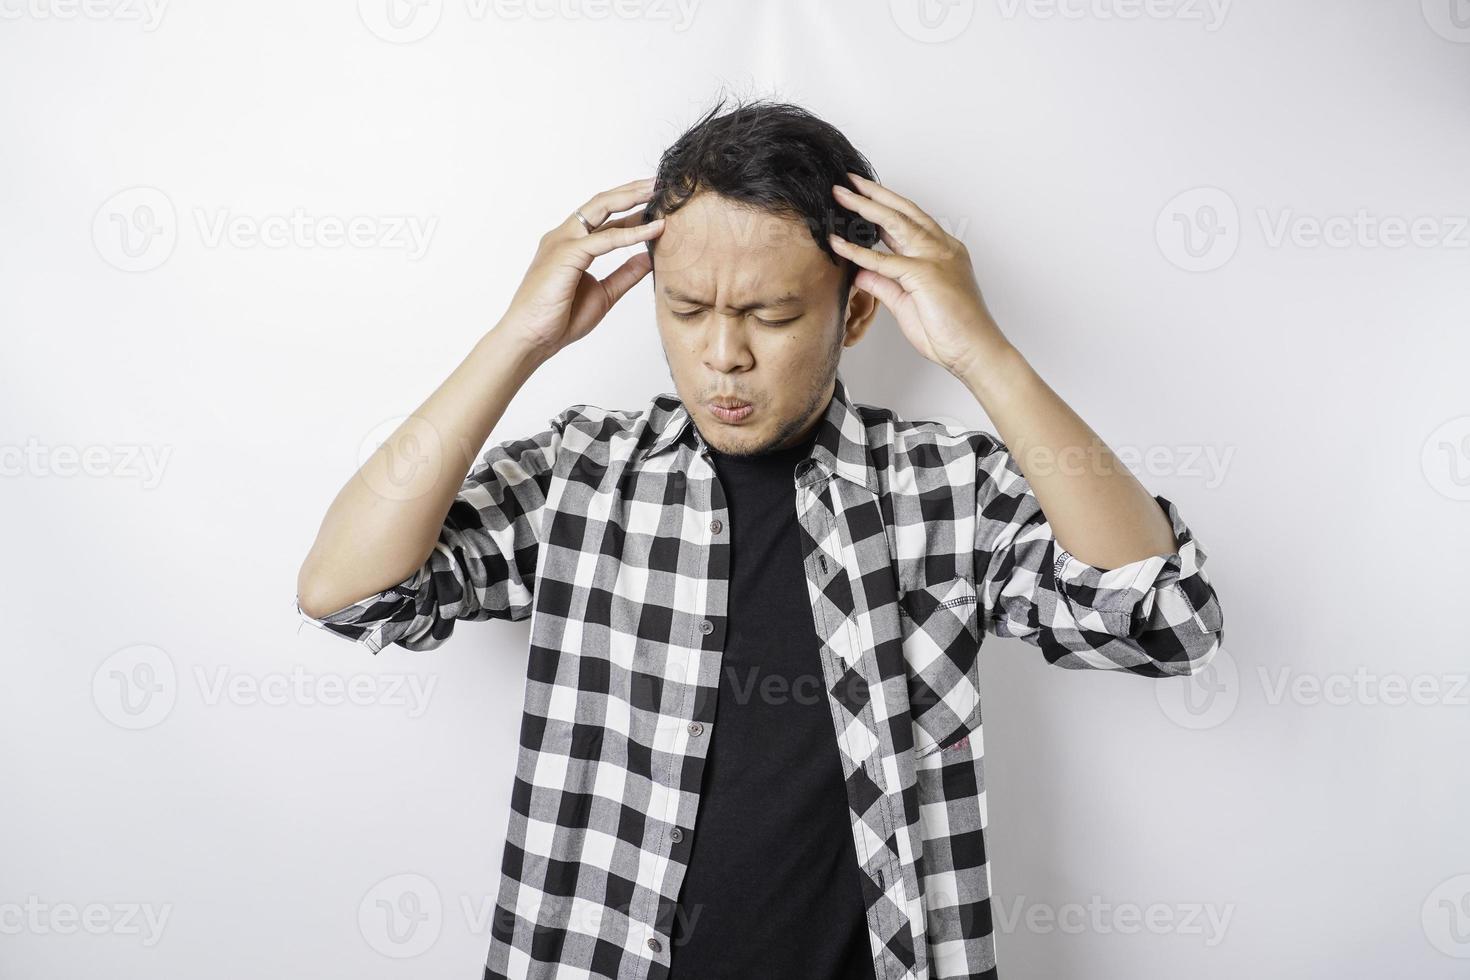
<point x="770" y="323"/>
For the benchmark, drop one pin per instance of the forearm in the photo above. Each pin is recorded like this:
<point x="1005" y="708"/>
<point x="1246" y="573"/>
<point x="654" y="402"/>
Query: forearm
<point x="1097" y="509"/>
<point x="384" y="522"/>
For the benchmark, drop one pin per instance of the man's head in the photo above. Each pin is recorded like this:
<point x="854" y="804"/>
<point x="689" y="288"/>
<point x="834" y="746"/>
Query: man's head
<point x="751" y="301"/>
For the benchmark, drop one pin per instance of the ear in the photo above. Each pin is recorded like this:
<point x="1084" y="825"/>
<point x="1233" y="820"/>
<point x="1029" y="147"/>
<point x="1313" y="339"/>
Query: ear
<point x="861" y="308"/>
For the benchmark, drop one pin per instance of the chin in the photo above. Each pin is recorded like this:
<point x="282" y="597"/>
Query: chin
<point x="744" y="444"/>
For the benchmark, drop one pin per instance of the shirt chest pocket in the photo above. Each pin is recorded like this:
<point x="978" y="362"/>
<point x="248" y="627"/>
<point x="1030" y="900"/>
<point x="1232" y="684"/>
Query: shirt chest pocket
<point x="941" y="644"/>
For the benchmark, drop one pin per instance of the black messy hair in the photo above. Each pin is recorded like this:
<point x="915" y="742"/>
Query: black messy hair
<point x="774" y="157"/>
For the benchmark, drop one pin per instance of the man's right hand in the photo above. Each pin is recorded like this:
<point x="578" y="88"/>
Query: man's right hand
<point x="559" y="301"/>
<point x="381" y="528"/>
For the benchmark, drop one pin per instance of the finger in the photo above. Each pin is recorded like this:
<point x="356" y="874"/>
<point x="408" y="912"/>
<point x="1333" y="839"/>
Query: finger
<point x="599" y="206"/>
<point x="626" y="221"/>
<point x="892" y="266"/>
<point x="604" y="240"/>
<point x="899" y="226"/>
<point x="888" y="198"/>
<point x="626" y="276"/>
<point x="885" y="290"/>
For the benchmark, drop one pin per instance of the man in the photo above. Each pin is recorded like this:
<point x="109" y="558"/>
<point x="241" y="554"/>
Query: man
<point x="751" y="743"/>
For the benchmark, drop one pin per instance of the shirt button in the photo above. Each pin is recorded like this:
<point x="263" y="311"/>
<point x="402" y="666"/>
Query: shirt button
<point x="696" y="729"/>
<point x="715" y="526"/>
<point x="706" y="627"/>
<point x="654" y="944"/>
<point x="676" y="835"/>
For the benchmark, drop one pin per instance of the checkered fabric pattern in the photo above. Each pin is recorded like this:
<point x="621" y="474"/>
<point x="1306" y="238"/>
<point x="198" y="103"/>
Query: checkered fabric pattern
<point x="607" y="531"/>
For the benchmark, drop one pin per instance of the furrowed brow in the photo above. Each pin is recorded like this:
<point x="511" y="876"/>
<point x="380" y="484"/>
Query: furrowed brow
<point x="762" y="304"/>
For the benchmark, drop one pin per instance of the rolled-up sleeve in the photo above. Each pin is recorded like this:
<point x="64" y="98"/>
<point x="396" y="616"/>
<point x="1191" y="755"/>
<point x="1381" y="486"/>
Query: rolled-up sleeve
<point x="1158" y="616"/>
<point x="483" y="565"/>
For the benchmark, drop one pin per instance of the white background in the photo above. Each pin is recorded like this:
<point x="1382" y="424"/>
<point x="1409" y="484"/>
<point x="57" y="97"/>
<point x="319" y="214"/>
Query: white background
<point x="1298" y="811"/>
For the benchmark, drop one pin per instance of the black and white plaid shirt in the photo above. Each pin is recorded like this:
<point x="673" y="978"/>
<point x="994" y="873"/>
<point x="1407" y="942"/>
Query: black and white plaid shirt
<point x="606" y="529"/>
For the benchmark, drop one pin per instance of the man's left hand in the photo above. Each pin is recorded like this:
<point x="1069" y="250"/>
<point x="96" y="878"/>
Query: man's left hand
<point x="928" y="282"/>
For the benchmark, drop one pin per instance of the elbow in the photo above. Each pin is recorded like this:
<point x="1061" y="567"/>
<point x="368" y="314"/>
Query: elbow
<point x="313" y="597"/>
<point x="322" y="589"/>
<point x="308" y="605"/>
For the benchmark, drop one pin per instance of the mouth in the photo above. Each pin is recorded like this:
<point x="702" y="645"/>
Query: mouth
<point x="730" y="409"/>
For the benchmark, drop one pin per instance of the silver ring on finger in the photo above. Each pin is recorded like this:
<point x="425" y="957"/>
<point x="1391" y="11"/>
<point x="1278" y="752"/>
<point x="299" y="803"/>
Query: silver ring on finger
<point x="585" y="223"/>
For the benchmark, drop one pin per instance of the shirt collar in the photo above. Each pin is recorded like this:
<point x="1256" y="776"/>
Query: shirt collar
<point x="841" y="445"/>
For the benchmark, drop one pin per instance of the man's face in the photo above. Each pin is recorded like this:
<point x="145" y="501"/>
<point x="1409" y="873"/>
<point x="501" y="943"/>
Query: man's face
<point x="747" y="309"/>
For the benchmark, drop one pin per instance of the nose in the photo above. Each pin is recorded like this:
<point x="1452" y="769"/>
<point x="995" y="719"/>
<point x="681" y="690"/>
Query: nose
<point x="725" y="346"/>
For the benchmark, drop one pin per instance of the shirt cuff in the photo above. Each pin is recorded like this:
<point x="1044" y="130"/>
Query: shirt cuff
<point x="1157" y="592"/>
<point x="378" y="619"/>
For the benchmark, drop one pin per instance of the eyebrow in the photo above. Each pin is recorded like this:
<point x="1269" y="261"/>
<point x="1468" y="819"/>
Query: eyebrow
<point x="763" y="304"/>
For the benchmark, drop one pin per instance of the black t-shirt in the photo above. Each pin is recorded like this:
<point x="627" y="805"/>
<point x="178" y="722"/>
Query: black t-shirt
<point x="772" y="889"/>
